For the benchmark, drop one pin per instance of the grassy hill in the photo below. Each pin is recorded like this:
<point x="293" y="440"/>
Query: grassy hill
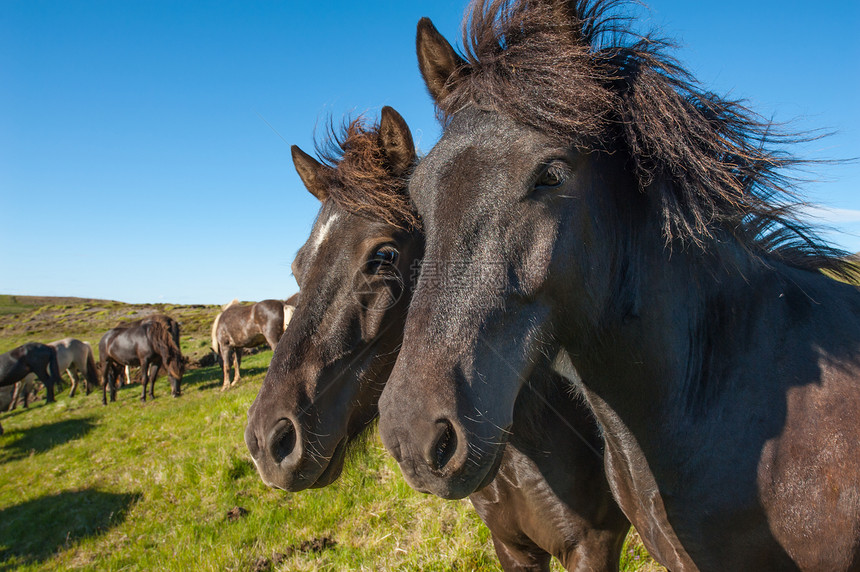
<point x="44" y="319"/>
<point x="168" y="484"/>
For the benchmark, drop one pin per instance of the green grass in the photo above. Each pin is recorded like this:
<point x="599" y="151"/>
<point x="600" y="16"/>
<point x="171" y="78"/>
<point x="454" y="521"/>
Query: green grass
<point x="11" y="305"/>
<point x="149" y="486"/>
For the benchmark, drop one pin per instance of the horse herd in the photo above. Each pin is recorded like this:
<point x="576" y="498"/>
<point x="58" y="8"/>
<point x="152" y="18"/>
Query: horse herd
<point x="150" y="343"/>
<point x="592" y="304"/>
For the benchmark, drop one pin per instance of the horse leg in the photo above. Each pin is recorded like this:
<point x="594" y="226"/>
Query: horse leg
<point x="106" y="374"/>
<point x="226" y="355"/>
<point x="49" y="374"/>
<point x="15" y="394"/>
<point x="110" y="375"/>
<point x="152" y="377"/>
<point x="521" y="559"/>
<point x="237" y="358"/>
<point x="127" y="376"/>
<point x="144" y="372"/>
<point x="73" y="378"/>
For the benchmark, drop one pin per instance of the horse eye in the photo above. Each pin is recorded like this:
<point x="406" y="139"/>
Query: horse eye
<point x="385" y="256"/>
<point x="551" y="177"/>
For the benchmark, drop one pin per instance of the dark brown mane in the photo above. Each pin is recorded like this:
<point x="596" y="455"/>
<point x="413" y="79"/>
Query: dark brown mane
<point x="360" y="178"/>
<point x="163" y="343"/>
<point x="575" y="69"/>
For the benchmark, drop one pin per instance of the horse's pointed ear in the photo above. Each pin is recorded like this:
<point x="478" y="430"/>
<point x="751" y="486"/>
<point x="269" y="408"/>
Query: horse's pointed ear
<point x="437" y="60"/>
<point x="310" y="171"/>
<point x="396" y="141"/>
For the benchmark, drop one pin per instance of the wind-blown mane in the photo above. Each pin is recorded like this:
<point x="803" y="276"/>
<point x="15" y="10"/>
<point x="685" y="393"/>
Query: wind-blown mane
<point x="359" y="177"/>
<point x="164" y="344"/>
<point x="575" y="70"/>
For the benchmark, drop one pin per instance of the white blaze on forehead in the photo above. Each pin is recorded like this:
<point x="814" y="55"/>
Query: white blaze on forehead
<point x="322" y="232"/>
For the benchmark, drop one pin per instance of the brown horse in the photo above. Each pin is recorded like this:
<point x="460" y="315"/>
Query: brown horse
<point x="35" y="358"/>
<point x="237" y="327"/>
<point x="644" y="239"/>
<point x="148" y="343"/>
<point x="323" y="385"/>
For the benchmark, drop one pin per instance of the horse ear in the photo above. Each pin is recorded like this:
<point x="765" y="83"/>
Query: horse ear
<point x="310" y="170"/>
<point x="396" y="141"/>
<point x="437" y="60"/>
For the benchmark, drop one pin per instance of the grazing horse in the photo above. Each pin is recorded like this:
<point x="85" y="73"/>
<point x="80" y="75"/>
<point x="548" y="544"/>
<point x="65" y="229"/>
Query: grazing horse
<point x="149" y="343"/>
<point x="604" y="210"/>
<point x="35" y="358"/>
<point x="237" y="327"/>
<point x="551" y="497"/>
<point x="76" y="358"/>
<point x="171" y="324"/>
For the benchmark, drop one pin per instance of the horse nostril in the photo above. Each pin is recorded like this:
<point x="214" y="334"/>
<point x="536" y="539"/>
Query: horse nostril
<point x="282" y="441"/>
<point x="445" y="446"/>
<point x="252" y="443"/>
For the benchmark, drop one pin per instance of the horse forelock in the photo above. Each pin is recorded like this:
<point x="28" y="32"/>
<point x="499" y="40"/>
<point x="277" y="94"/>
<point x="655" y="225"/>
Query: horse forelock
<point x="360" y="178"/>
<point x="577" y="71"/>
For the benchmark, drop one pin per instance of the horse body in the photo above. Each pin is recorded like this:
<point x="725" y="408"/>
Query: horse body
<point x="171" y="324"/>
<point x="238" y="327"/>
<point x="75" y="358"/>
<point x="550" y="497"/>
<point x="36" y="358"/>
<point x="673" y="287"/>
<point x="146" y="344"/>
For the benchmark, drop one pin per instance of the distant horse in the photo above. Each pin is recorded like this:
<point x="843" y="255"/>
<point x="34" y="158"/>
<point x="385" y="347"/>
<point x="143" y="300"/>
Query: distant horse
<point x="237" y="327"/>
<point x="36" y="358"/>
<point x="148" y="343"/>
<point x="171" y="324"/>
<point x="550" y="497"/>
<point x="603" y="210"/>
<point x="10" y="396"/>
<point x="75" y="357"/>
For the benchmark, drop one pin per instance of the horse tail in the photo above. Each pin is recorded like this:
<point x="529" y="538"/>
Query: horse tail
<point x="164" y="345"/>
<point x="288" y="315"/>
<point x="215" y="347"/>
<point x="233" y="302"/>
<point x="53" y="372"/>
<point x="92" y="373"/>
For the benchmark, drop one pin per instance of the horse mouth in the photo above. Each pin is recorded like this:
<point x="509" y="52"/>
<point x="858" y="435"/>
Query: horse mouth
<point x="334" y="467"/>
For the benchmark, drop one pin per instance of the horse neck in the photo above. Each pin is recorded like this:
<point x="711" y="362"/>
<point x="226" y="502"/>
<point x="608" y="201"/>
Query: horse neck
<point x="692" y="310"/>
<point x="549" y="416"/>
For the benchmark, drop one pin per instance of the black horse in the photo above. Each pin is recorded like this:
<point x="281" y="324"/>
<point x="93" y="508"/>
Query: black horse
<point x="35" y="358"/>
<point x="364" y="245"/>
<point x="171" y="324"/>
<point x="150" y="342"/>
<point x="645" y="239"/>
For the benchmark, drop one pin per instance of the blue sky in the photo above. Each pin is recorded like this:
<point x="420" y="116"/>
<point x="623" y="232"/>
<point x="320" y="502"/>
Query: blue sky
<point x="144" y="146"/>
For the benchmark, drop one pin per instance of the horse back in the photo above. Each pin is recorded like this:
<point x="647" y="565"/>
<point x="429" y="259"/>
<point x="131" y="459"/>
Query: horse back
<point x="268" y="314"/>
<point x="17" y="363"/>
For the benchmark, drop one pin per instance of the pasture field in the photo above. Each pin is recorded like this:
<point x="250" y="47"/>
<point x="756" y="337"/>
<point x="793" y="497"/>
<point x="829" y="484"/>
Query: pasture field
<point x="169" y="485"/>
